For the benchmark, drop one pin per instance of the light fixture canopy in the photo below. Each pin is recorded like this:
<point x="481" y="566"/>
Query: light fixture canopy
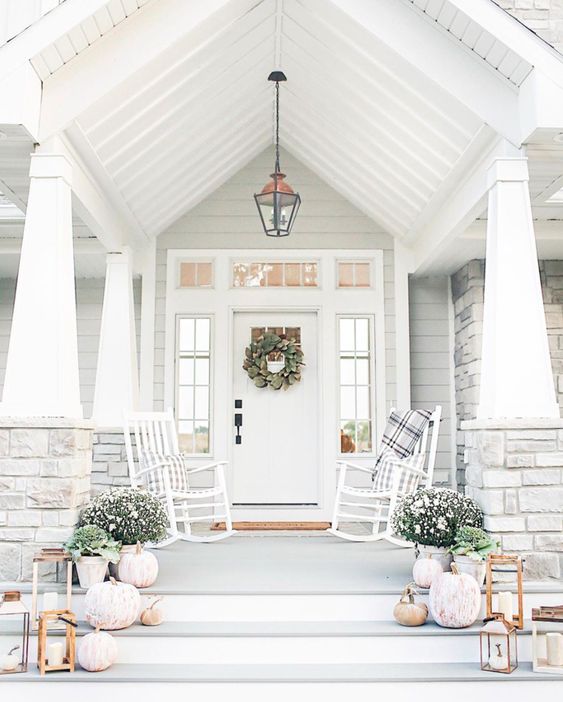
<point x="277" y="202"/>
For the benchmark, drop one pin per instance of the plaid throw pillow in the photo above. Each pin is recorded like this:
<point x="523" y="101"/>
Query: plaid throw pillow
<point x="389" y="464"/>
<point x="402" y="432"/>
<point x="174" y="463"/>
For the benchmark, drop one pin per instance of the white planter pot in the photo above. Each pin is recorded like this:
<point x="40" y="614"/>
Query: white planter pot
<point x="477" y="569"/>
<point x="439" y="554"/>
<point x="91" y="570"/>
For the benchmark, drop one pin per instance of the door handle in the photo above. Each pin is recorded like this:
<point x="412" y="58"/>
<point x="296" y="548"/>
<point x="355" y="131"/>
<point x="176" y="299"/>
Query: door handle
<point x="238" y="425"/>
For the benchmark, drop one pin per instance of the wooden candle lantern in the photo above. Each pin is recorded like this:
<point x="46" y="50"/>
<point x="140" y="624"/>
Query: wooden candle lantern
<point x="547" y="640"/>
<point x="49" y="601"/>
<point x="505" y="603"/>
<point x="59" y="655"/>
<point x="499" y="651"/>
<point x="14" y="659"/>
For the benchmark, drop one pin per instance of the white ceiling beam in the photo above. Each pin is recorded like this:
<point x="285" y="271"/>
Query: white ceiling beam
<point x="465" y="203"/>
<point x="91" y="202"/>
<point x="20" y="102"/>
<point x="141" y="39"/>
<point x="394" y="23"/>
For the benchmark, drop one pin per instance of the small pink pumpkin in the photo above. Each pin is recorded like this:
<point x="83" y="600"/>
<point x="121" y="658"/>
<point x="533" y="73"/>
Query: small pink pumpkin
<point x="454" y="599"/>
<point x="425" y="570"/>
<point x="139" y="568"/>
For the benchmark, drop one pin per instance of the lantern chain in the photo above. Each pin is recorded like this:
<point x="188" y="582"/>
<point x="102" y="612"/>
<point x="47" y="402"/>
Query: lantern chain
<point x="277" y="168"/>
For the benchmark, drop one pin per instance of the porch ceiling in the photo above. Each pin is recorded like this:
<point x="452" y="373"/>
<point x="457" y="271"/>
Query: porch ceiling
<point x="163" y="101"/>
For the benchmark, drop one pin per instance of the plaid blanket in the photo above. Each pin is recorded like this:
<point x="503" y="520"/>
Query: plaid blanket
<point x="402" y="432"/>
<point x="389" y="464"/>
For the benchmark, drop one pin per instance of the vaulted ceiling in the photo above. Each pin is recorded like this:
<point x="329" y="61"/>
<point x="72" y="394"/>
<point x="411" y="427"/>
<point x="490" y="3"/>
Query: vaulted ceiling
<point x="164" y="100"/>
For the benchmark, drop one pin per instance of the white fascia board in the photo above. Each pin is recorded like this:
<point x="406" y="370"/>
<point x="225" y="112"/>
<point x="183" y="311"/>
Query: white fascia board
<point x="474" y="83"/>
<point x="465" y="204"/>
<point x="45" y="31"/>
<point x="21" y="98"/>
<point x="514" y="34"/>
<point x="141" y="39"/>
<point x="541" y="104"/>
<point x="90" y="202"/>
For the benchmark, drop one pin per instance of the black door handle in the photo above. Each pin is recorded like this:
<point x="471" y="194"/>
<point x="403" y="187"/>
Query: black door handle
<point x="238" y="425"/>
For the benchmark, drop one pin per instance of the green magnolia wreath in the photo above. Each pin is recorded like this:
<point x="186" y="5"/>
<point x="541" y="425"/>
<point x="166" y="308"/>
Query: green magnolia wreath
<point x="273" y="347"/>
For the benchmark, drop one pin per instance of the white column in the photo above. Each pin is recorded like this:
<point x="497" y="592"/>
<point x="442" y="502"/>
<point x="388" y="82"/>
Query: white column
<point x="516" y="375"/>
<point x="42" y="365"/>
<point x="147" y="328"/>
<point x="117" y="382"/>
<point x="402" y="259"/>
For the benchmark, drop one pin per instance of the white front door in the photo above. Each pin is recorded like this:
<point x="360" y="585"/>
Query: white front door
<point x="276" y="461"/>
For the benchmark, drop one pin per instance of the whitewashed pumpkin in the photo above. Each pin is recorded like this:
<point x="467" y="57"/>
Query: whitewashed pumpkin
<point x="112" y="605"/>
<point x="408" y="612"/>
<point x="425" y="569"/>
<point x="97" y="651"/>
<point x="139" y="568"/>
<point x="455" y="599"/>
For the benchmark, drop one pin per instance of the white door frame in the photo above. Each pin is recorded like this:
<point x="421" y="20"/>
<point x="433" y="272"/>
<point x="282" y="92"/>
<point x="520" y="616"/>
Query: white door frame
<point x="222" y="301"/>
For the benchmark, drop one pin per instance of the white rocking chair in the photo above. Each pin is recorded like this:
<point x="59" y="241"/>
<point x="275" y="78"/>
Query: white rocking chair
<point x="376" y="508"/>
<point x="155" y="433"/>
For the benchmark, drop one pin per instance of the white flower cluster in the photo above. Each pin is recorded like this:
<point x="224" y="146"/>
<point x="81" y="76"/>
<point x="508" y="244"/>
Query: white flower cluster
<point x="128" y="515"/>
<point x="432" y="516"/>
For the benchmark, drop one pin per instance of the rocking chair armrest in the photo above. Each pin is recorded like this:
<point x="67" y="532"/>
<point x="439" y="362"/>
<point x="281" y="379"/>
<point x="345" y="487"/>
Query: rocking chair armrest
<point x="208" y="466"/>
<point x="355" y="466"/>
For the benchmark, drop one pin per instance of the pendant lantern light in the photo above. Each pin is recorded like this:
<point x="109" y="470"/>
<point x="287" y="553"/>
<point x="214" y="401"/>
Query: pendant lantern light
<point x="277" y="202"/>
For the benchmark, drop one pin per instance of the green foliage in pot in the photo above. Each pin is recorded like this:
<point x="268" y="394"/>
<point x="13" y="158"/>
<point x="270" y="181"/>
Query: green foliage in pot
<point x="91" y="540"/>
<point x="128" y="514"/>
<point x="433" y="516"/>
<point x="473" y="543"/>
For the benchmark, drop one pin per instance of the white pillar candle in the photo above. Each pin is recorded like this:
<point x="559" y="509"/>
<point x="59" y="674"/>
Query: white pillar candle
<point x="50" y="601"/>
<point x="55" y="653"/>
<point x="554" y="646"/>
<point x="505" y="606"/>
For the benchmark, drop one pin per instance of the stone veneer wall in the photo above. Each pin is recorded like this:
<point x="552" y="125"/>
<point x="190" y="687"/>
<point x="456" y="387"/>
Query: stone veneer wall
<point x="109" y="460"/>
<point x="515" y="472"/>
<point x="45" y="469"/>
<point x="468" y="286"/>
<point x="545" y="17"/>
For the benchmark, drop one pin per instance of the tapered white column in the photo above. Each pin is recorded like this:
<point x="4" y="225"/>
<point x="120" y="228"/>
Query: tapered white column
<point x="42" y="365"/>
<point x="117" y="380"/>
<point x="516" y="374"/>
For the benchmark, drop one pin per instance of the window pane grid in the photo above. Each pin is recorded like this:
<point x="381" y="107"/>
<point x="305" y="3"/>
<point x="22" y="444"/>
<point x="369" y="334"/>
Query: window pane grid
<point x="354" y="274"/>
<point x="193" y="393"/>
<point x="196" y="274"/>
<point x="355" y="385"/>
<point x="277" y="274"/>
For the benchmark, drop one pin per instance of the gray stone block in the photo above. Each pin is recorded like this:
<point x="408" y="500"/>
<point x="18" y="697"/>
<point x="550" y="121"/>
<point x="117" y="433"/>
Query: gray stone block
<point x="549" y="459"/>
<point x="520" y="460"/>
<point x="541" y="476"/>
<point x="501" y="478"/>
<point x="10" y="561"/>
<point x="10" y="466"/>
<point x="24" y="518"/>
<point x="511" y="501"/>
<point x="54" y="534"/>
<point x="540" y="566"/>
<point x="549" y="542"/>
<point x="517" y="542"/>
<point x="490" y="445"/>
<point x="541" y="499"/>
<point x="4" y="442"/>
<point x="52" y="493"/>
<point x="16" y="534"/>
<point x="545" y="523"/>
<point x="12" y="501"/>
<point x="503" y="524"/>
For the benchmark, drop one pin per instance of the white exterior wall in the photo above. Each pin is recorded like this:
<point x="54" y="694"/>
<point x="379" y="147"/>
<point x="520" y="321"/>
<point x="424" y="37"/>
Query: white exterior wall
<point x="89" y="299"/>
<point x="431" y="361"/>
<point x="228" y="219"/>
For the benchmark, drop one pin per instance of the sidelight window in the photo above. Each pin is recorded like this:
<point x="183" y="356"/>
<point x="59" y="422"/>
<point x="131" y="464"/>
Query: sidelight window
<point x="356" y="385"/>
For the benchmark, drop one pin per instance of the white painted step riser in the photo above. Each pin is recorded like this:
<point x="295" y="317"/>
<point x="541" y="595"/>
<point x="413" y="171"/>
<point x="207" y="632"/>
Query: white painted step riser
<point x="514" y="690"/>
<point x="213" y="608"/>
<point x="299" y="650"/>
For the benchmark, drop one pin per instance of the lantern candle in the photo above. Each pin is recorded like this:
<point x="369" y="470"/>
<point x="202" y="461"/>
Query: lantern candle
<point x="50" y="601"/>
<point x="505" y="606"/>
<point x="55" y="653"/>
<point x="554" y="645"/>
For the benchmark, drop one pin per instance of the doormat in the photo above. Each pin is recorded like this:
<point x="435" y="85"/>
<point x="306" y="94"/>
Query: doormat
<point x="273" y="526"/>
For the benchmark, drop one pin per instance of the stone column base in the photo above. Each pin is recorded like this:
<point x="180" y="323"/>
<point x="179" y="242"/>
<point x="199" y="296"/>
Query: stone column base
<point x="45" y="466"/>
<point x="514" y="470"/>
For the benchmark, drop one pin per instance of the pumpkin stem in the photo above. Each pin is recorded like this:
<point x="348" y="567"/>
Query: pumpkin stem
<point x="409" y="592"/>
<point x="12" y="650"/>
<point x="112" y="580"/>
<point x="139" y="548"/>
<point x="97" y="629"/>
<point x="152" y="604"/>
<point x="454" y="569"/>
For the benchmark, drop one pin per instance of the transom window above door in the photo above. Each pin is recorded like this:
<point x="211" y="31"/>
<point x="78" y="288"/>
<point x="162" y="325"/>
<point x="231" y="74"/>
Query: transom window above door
<point x="355" y="380"/>
<point x="353" y="274"/>
<point x="276" y="274"/>
<point x="195" y="274"/>
<point x="193" y="356"/>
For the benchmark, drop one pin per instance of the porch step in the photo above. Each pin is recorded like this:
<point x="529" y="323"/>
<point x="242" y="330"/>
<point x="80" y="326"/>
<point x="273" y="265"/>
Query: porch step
<point x="441" y="681"/>
<point x="271" y="643"/>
